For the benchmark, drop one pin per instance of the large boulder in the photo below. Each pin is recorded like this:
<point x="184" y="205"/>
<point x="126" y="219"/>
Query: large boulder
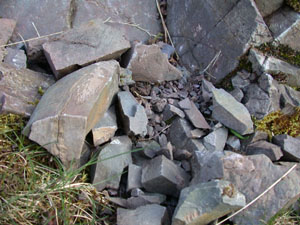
<point x="71" y="108"/>
<point x="220" y="30"/>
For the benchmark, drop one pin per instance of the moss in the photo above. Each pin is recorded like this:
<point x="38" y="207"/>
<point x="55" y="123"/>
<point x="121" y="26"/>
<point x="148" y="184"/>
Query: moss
<point x="295" y="4"/>
<point x="277" y="123"/>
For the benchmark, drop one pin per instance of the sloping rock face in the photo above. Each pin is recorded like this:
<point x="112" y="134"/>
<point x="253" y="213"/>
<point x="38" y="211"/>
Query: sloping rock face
<point x="71" y="108"/>
<point x="202" y="29"/>
<point x="19" y="89"/>
<point x="7" y="27"/>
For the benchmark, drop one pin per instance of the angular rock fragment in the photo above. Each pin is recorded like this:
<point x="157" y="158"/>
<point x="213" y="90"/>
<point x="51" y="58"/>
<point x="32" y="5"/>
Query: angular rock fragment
<point x="237" y="94"/>
<point x="145" y="199"/>
<point x="134" y="118"/>
<point x="150" y="148"/>
<point x="170" y="111"/>
<point x="231" y="113"/>
<point x="134" y="177"/>
<point x="112" y="160"/>
<point x="161" y="175"/>
<point x="193" y="113"/>
<point x="234" y="143"/>
<point x="149" y="214"/>
<point x="267" y="7"/>
<point x="89" y="43"/>
<point x="197" y="133"/>
<point x="149" y="64"/>
<point x="263" y="147"/>
<point x="289" y="146"/>
<point x="71" y="108"/>
<point x="16" y="58"/>
<point x="216" y="140"/>
<point x="105" y="128"/>
<point x="202" y="203"/>
<point x="7" y="27"/>
<point x="125" y="77"/>
<point x="19" y="89"/>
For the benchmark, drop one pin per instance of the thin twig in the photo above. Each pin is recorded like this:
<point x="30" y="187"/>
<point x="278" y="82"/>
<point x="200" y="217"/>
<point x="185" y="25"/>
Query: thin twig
<point x="212" y="63"/>
<point x="36" y="30"/>
<point x="258" y="197"/>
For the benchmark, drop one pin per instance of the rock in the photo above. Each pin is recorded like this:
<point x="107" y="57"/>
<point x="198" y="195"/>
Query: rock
<point x="284" y="25"/>
<point x="197" y="133"/>
<point x="216" y="140"/>
<point x="89" y="43"/>
<point x="135" y="192"/>
<point x="16" y="58"/>
<point x="150" y="148"/>
<point x="239" y="82"/>
<point x="7" y="27"/>
<point x="166" y="49"/>
<point x="259" y="136"/>
<point x="182" y="154"/>
<point x="267" y="7"/>
<point x="105" y="128"/>
<point x="112" y="160"/>
<point x="149" y="214"/>
<point x="193" y="113"/>
<point x="145" y="199"/>
<point x="71" y="108"/>
<point x="207" y="30"/>
<point x="234" y="142"/>
<point x="19" y="89"/>
<point x="231" y="113"/>
<point x="237" y="94"/>
<point x="170" y="111"/>
<point x="203" y="203"/>
<point x="134" y="177"/>
<point x="289" y="146"/>
<point x="162" y="176"/>
<point x="149" y="64"/>
<point x="159" y="105"/>
<point x="133" y="115"/>
<point x="263" y="147"/>
<point x="126" y="77"/>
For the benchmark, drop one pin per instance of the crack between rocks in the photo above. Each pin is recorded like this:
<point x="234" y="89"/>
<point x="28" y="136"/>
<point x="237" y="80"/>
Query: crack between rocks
<point x="71" y="14"/>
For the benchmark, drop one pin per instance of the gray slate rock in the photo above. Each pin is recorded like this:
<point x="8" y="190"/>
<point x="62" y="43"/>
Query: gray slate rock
<point x="16" y="58"/>
<point x="150" y="148"/>
<point x="231" y="113"/>
<point x="203" y="203"/>
<point x="112" y="160"/>
<point x="216" y="140"/>
<point x="263" y="147"/>
<point x="133" y="115"/>
<point x="234" y="142"/>
<point x="134" y="177"/>
<point x="105" y="128"/>
<point x="267" y="7"/>
<point x="71" y="108"/>
<point x="289" y="146"/>
<point x="144" y="215"/>
<point x="19" y="89"/>
<point x="162" y="176"/>
<point x="7" y="27"/>
<point x="89" y="43"/>
<point x="145" y="199"/>
<point x="170" y="111"/>
<point x="237" y="94"/>
<point x="201" y="30"/>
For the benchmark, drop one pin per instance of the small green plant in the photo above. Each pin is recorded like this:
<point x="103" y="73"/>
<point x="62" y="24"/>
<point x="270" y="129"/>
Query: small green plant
<point x="295" y="4"/>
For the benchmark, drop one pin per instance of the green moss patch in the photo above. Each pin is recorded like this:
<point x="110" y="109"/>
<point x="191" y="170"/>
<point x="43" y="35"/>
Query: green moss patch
<point x="295" y="4"/>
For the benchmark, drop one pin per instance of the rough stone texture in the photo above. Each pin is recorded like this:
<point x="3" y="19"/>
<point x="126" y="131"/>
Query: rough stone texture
<point x="105" y="128"/>
<point x="170" y="111"/>
<point x="193" y="113"/>
<point x="7" y="27"/>
<point x="234" y="143"/>
<point x="125" y="77"/>
<point x="16" y="58"/>
<point x="134" y="118"/>
<point x="144" y="215"/>
<point x="267" y="7"/>
<point x="148" y="63"/>
<point x="161" y="175"/>
<point x="239" y="82"/>
<point x="263" y="147"/>
<point x="112" y="160"/>
<point x="237" y="94"/>
<point x="150" y="148"/>
<point x="19" y="89"/>
<point x="200" y="30"/>
<point x="134" y="177"/>
<point x="71" y="108"/>
<point x="89" y="43"/>
<point x="231" y="113"/>
<point x="215" y="141"/>
<point x="145" y="199"/>
<point x="289" y="146"/>
<point x="284" y="26"/>
<point x="202" y="203"/>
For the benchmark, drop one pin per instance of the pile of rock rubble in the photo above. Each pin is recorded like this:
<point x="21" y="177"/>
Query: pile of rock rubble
<point x="168" y="127"/>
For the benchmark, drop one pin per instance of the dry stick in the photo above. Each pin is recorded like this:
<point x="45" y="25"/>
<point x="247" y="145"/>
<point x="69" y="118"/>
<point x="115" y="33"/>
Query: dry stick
<point x="212" y="63"/>
<point x="36" y="30"/>
<point x="258" y="197"/>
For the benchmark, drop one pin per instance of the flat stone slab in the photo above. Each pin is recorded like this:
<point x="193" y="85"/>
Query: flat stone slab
<point x="228" y="111"/>
<point x="112" y="160"/>
<point x="134" y="177"/>
<point x="16" y="58"/>
<point x="216" y="140"/>
<point x="19" y="89"/>
<point x="163" y="176"/>
<point x="79" y="47"/>
<point x="289" y="146"/>
<point x="71" y="108"/>
<point x="202" y="203"/>
<point x="7" y="27"/>
<point x="267" y="7"/>
<point x="263" y="147"/>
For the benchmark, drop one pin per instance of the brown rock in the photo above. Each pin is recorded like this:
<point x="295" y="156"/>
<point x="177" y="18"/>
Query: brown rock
<point x="7" y="27"/>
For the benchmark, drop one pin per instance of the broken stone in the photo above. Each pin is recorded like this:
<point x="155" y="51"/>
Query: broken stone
<point x="170" y="111"/>
<point x="193" y="113"/>
<point x="16" y="58"/>
<point x="161" y="175"/>
<point x="106" y="127"/>
<point x="134" y="118"/>
<point x="166" y="49"/>
<point x="134" y="177"/>
<point x="112" y="160"/>
<point x="234" y="142"/>
<point x="237" y="94"/>
<point x="182" y="154"/>
<point x="216" y="140"/>
<point x="289" y="146"/>
<point x="71" y="108"/>
<point x="150" y="148"/>
<point x="160" y="105"/>
<point x="19" y="89"/>
<point x="206" y="202"/>
<point x="231" y="113"/>
<point x="126" y="77"/>
<point x="145" y="199"/>
<point x="267" y="7"/>
<point x="89" y="43"/>
<point x="239" y="82"/>
<point x="135" y="192"/>
<point x="259" y="136"/>
<point x="149" y="214"/>
<point x="7" y="27"/>
<point x="149" y="64"/>
<point x="263" y="147"/>
<point x="197" y="133"/>
<point x="210" y="31"/>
